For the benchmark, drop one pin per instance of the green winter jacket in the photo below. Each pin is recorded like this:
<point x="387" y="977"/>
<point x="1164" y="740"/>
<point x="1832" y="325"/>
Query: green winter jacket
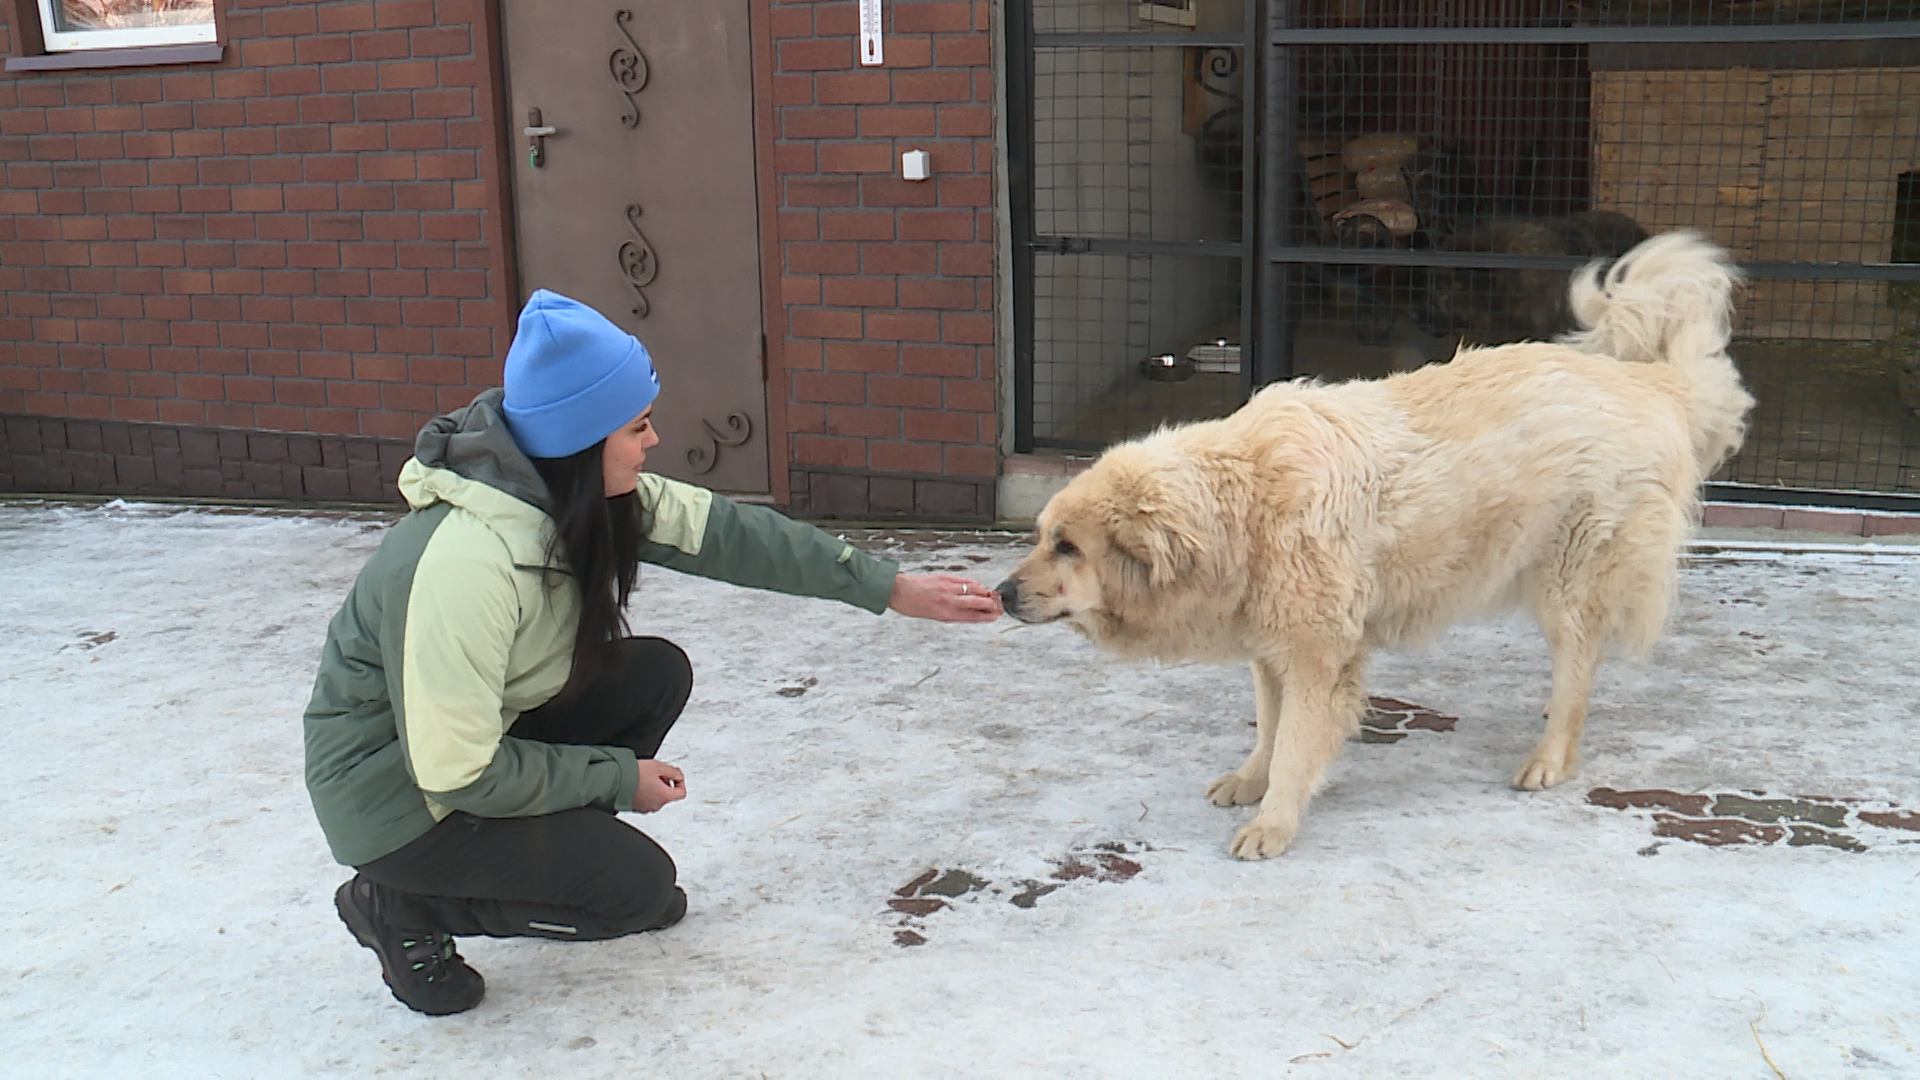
<point x="456" y="626"/>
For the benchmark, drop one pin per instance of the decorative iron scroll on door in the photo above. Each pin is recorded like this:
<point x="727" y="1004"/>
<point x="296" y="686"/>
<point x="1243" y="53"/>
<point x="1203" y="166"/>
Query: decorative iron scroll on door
<point x="703" y="458"/>
<point x="638" y="262"/>
<point x="629" y="69"/>
<point x="630" y="72"/>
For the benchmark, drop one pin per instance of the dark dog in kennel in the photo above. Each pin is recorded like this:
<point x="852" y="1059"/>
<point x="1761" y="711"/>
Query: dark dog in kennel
<point x="1506" y="304"/>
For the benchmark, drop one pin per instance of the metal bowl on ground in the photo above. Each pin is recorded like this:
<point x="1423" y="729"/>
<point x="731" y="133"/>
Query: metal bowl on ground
<point x="1167" y="367"/>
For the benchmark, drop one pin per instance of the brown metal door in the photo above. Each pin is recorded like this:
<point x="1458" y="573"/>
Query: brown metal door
<point x="635" y="194"/>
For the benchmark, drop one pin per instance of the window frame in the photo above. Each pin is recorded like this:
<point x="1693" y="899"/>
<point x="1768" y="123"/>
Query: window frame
<point x="31" y="51"/>
<point x="57" y="41"/>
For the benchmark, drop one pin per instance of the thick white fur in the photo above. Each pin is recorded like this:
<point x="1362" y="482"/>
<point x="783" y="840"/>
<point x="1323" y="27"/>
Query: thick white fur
<point x="1319" y="522"/>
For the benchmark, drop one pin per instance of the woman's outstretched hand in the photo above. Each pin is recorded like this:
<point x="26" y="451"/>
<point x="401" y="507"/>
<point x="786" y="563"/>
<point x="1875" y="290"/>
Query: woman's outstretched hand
<point x="660" y="784"/>
<point x="944" y="598"/>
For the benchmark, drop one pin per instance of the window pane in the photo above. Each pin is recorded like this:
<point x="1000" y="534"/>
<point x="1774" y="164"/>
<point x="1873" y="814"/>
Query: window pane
<point x="81" y="15"/>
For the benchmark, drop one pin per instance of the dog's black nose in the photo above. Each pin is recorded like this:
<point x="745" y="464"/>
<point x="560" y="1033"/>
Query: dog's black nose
<point x="1009" y="595"/>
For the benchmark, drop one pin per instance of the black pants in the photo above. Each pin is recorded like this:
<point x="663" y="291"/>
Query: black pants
<point x="578" y="875"/>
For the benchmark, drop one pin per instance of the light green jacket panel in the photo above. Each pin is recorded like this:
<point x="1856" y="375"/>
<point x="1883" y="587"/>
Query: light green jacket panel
<point x="695" y="531"/>
<point x="489" y="635"/>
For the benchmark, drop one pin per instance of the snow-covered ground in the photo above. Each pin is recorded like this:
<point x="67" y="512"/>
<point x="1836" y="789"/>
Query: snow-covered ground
<point x="165" y="897"/>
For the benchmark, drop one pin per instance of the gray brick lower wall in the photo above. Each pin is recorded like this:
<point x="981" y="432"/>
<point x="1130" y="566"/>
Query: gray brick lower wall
<point x="63" y="456"/>
<point x="866" y="495"/>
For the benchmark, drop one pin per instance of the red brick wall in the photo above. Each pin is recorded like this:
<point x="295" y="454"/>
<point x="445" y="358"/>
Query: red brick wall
<point x="304" y="237"/>
<point x="887" y="284"/>
<point x="309" y="237"/>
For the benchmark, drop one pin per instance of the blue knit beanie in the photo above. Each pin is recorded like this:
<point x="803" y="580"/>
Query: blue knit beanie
<point x="572" y="377"/>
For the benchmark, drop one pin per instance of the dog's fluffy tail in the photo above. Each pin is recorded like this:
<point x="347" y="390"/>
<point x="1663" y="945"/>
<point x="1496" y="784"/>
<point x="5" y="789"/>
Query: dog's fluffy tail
<point x="1670" y="301"/>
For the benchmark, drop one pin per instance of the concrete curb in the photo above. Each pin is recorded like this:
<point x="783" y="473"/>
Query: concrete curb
<point x="1810" y="519"/>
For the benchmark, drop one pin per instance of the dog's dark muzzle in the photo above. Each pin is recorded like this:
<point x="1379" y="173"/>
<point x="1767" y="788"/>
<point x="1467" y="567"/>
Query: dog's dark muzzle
<point x="1009" y="591"/>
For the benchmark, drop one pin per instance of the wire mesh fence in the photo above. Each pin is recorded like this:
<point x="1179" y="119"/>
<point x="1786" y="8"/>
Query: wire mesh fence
<point x="1133" y="341"/>
<point x="1447" y="165"/>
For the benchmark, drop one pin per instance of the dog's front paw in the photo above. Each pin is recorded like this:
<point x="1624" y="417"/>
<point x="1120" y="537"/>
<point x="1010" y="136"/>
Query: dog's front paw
<point x="1262" y="840"/>
<point x="1236" y="790"/>
<point x="1543" y="770"/>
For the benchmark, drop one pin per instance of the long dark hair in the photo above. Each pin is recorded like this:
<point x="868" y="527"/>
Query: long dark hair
<point x="598" y="538"/>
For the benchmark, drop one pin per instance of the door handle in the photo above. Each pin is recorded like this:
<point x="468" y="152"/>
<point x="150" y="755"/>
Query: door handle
<point x="536" y="134"/>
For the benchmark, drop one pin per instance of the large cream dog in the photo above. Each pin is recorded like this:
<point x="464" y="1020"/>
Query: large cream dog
<point x="1319" y="522"/>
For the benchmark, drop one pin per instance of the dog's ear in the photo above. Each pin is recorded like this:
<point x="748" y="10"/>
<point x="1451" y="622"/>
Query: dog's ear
<point x="1159" y="528"/>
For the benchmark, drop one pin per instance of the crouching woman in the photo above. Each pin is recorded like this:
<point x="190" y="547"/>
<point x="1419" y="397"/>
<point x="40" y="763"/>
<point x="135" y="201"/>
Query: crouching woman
<point x="481" y="716"/>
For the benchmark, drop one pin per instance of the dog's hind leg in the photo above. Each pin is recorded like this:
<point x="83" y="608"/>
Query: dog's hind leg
<point x="1248" y="782"/>
<point x="1576" y="655"/>
<point x="1322" y="705"/>
<point x="1593" y="591"/>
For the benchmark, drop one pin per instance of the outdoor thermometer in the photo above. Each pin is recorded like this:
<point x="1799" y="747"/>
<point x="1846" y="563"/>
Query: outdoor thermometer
<point x="870" y="33"/>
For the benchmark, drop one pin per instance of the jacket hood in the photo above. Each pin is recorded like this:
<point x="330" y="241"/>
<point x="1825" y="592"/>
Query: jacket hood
<point x="468" y="457"/>
<point x="476" y="443"/>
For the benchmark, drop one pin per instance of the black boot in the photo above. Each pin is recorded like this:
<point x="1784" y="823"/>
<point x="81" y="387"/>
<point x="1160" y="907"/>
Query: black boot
<point x="421" y="967"/>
